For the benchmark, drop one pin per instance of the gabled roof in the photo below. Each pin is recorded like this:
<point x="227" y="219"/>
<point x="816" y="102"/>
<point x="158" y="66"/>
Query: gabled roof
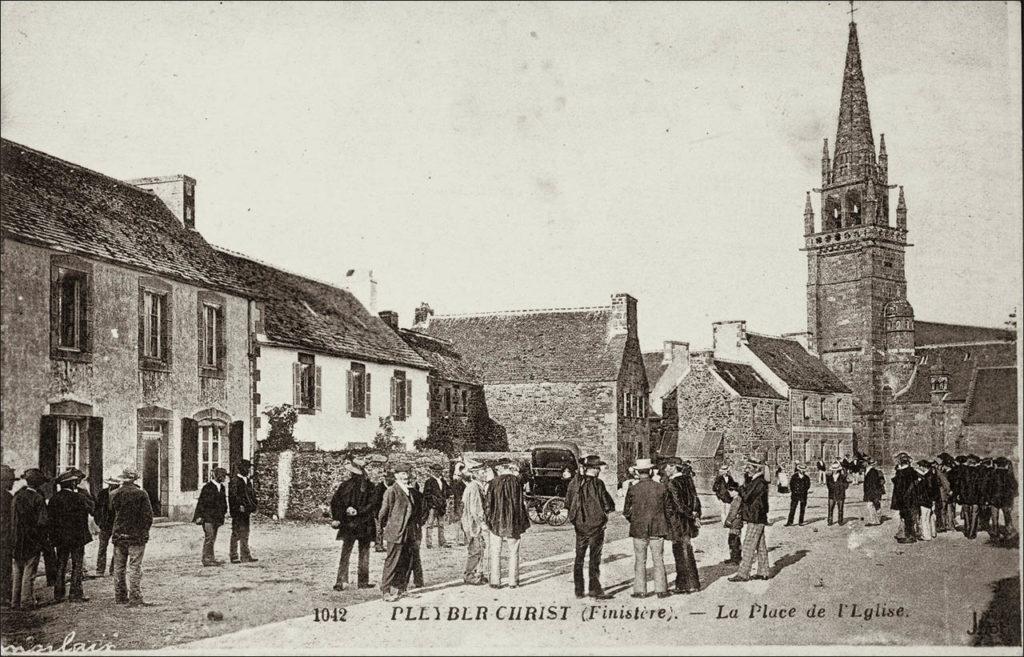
<point x="66" y="207"/>
<point x="993" y="397"/>
<point x="655" y="366"/>
<point x="959" y="363"/>
<point x="929" y="333"/>
<point x="445" y="362"/>
<point x="536" y="346"/>
<point x="307" y="314"/>
<point x="744" y="380"/>
<point x="794" y="365"/>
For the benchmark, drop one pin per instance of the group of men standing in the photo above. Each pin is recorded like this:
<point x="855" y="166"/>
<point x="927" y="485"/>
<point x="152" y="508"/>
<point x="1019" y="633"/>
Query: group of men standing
<point x="216" y="497"/>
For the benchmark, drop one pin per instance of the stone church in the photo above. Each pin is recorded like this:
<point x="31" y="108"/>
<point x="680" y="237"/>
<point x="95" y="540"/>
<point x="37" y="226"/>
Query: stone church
<point x="924" y="387"/>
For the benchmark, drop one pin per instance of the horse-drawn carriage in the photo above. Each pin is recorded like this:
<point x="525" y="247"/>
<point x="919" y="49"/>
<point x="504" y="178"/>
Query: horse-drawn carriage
<point x="552" y="465"/>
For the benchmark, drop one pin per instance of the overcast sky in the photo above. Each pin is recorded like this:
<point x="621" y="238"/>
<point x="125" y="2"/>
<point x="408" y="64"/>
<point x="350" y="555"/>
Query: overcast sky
<point x="500" y="156"/>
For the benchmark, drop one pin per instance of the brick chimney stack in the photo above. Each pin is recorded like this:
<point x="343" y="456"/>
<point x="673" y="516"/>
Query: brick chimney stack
<point x="422" y="315"/>
<point x="623" y="321"/>
<point x="178" y="193"/>
<point x="390" y="318"/>
<point x="675" y="352"/>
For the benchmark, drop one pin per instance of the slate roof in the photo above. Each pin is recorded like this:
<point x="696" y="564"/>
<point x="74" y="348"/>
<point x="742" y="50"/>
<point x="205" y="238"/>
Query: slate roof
<point x="993" y="398"/>
<point x="444" y="360"/>
<point x="68" y="208"/>
<point x="536" y="346"/>
<point x="304" y="313"/>
<point x="794" y="365"/>
<point x="699" y="446"/>
<point x="653" y="363"/>
<point x="960" y="363"/>
<point x="927" y="333"/>
<point x="744" y="380"/>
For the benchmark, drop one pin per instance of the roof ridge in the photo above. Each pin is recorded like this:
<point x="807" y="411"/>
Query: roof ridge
<point x="981" y="326"/>
<point x="963" y="344"/>
<point x="79" y="167"/>
<point x="239" y="254"/>
<point x="427" y="336"/>
<point x="996" y="367"/>
<point x="526" y="311"/>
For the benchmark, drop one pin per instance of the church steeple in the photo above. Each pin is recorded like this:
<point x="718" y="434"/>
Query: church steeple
<point x="854" y="157"/>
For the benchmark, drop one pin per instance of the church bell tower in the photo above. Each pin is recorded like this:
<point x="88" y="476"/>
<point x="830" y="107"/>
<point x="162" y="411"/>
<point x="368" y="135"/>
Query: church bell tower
<point x="855" y="257"/>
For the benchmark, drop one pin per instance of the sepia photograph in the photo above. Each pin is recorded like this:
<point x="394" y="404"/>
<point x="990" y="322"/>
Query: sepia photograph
<point x="492" y="328"/>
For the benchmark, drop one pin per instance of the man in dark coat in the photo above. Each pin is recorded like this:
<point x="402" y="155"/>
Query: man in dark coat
<point x="874" y="489"/>
<point x="986" y="470"/>
<point x="436" y="492"/>
<point x="352" y="514"/>
<point x="242" y="502"/>
<point x="970" y="495"/>
<point x="682" y="510"/>
<point x="507" y="519"/>
<point x="799" y="486"/>
<point x="460" y="477"/>
<point x="29" y="523"/>
<point x="1003" y="490"/>
<point x="381" y="487"/>
<point x="398" y="530"/>
<point x="69" y="510"/>
<point x="837" y="483"/>
<point x="754" y="509"/>
<point x="723" y="482"/>
<point x="105" y="521"/>
<point x="420" y="514"/>
<point x="588" y="503"/>
<point x="210" y="512"/>
<point x="133" y="517"/>
<point x="903" y="498"/>
<point x="7" y="479"/>
<point x="644" y="508"/>
<point x="956" y="486"/>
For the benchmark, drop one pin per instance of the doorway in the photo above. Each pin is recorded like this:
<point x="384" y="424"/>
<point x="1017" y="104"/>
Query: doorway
<point x="153" y="457"/>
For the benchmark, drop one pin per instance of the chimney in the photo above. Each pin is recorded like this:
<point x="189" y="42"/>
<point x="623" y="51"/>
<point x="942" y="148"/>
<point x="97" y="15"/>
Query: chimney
<point x="676" y="352"/>
<point x="803" y="337"/>
<point x="423" y="315"/>
<point x="729" y="339"/>
<point x="177" y="192"/>
<point x="702" y="358"/>
<point x="623" y="321"/>
<point x="363" y="286"/>
<point x="390" y="318"/>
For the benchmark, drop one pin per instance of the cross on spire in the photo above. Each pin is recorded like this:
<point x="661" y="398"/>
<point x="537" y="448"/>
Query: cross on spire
<point x="851" y="11"/>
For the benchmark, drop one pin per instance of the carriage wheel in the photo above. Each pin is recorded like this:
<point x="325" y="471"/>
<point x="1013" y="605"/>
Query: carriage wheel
<point x="535" y="512"/>
<point x="557" y="514"/>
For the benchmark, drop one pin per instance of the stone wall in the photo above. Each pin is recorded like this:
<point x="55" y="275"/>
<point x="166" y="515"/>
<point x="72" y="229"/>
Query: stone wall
<point x="991" y="440"/>
<point x="926" y="429"/>
<point x="316" y="474"/>
<point x="474" y="430"/>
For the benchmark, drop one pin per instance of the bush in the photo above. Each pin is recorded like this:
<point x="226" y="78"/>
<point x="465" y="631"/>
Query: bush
<point x="386" y="441"/>
<point x="439" y="438"/>
<point x="282" y="419"/>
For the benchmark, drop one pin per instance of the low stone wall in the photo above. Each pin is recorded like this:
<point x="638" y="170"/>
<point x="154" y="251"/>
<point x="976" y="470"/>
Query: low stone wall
<point x="311" y="477"/>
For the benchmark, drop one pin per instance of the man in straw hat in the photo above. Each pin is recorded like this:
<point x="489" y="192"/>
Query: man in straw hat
<point x="7" y="479"/>
<point x="588" y="503"/>
<point x="69" y="510"/>
<point x="837" y="483"/>
<point x="506" y="517"/>
<point x="683" y="511"/>
<point x="29" y="523"/>
<point x="352" y="514"/>
<point x="133" y="517"/>
<point x="648" y="527"/>
<point x="474" y="522"/>
<point x="799" y="487"/>
<point x="105" y="521"/>
<point x="242" y="502"/>
<point x="754" y="510"/>
<point x="210" y="511"/>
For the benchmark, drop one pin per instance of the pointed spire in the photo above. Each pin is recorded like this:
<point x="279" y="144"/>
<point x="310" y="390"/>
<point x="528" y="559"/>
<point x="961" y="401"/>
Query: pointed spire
<point x="826" y="166"/>
<point x="808" y="216"/>
<point x="883" y="160"/>
<point x="881" y="146"/>
<point x="901" y="211"/>
<point x="855" y="147"/>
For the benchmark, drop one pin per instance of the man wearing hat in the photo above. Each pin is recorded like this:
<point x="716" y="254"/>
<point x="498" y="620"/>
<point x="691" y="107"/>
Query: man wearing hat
<point x="460" y="477"/>
<point x="799" y="486"/>
<point x="210" y="511"/>
<point x="589" y="503"/>
<point x="720" y="488"/>
<point x="242" y="502"/>
<point x="682" y="510"/>
<point x="7" y="479"/>
<point x="506" y="517"/>
<point x="474" y="523"/>
<point x="925" y="493"/>
<point x="398" y="530"/>
<point x="970" y="495"/>
<point x="105" y="521"/>
<point x="874" y="489"/>
<point x="69" y="510"/>
<point x="352" y="514"/>
<point x="754" y="510"/>
<point x="29" y="523"/>
<point x="436" y="492"/>
<point x="132" y="518"/>
<point x="645" y="510"/>
<point x="903" y="498"/>
<point x="1003" y="490"/>
<point x="837" y="483"/>
<point x="942" y="508"/>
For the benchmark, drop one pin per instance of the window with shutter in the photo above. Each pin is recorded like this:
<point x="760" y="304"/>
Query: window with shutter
<point x="360" y="389"/>
<point x="48" y="440"/>
<point x="189" y="454"/>
<point x="408" y="398"/>
<point x="212" y="334"/>
<point x="367" y="385"/>
<point x="154" y="323"/>
<point x="70" y="308"/>
<point x="349" y="382"/>
<point x="318" y="393"/>
<point x="306" y="381"/>
<point x="95" y="447"/>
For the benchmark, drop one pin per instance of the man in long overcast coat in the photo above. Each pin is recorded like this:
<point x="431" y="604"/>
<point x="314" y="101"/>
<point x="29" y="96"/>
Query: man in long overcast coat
<point x="682" y="510"/>
<point x="353" y="515"/>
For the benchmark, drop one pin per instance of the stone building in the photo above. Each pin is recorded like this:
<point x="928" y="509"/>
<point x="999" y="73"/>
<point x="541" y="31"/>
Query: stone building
<point x="341" y="367"/>
<point x="567" y="374"/>
<point x="457" y="406"/>
<point x="665" y="369"/>
<point x="125" y="335"/>
<point x="755" y="394"/>
<point x="858" y="318"/>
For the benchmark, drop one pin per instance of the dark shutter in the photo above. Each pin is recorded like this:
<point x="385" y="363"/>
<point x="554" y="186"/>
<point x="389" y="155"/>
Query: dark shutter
<point x="85" y="320"/>
<point x="297" y="400"/>
<point x="48" y="428"/>
<point x="95" y="429"/>
<point x="142" y="322"/>
<point x="366" y="386"/>
<point x="165" y="329"/>
<point x="236" y="432"/>
<point x="408" y="399"/>
<point x="394" y="404"/>
<point x="349" y="380"/>
<point x="317" y="394"/>
<point x="201" y="332"/>
<point x="221" y="338"/>
<point x="54" y="309"/>
<point x="189" y="454"/>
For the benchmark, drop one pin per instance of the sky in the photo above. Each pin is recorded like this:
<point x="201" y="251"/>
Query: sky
<point x="484" y="157"/>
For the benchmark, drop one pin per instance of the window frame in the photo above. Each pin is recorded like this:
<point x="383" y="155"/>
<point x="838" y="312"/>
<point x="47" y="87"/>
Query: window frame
<point x="71" y="268"/>
<point x="155" y="289"/>
<point x="206" y="302"/>
<point x="81" y="443"/>
<point x="206" y="430"/>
